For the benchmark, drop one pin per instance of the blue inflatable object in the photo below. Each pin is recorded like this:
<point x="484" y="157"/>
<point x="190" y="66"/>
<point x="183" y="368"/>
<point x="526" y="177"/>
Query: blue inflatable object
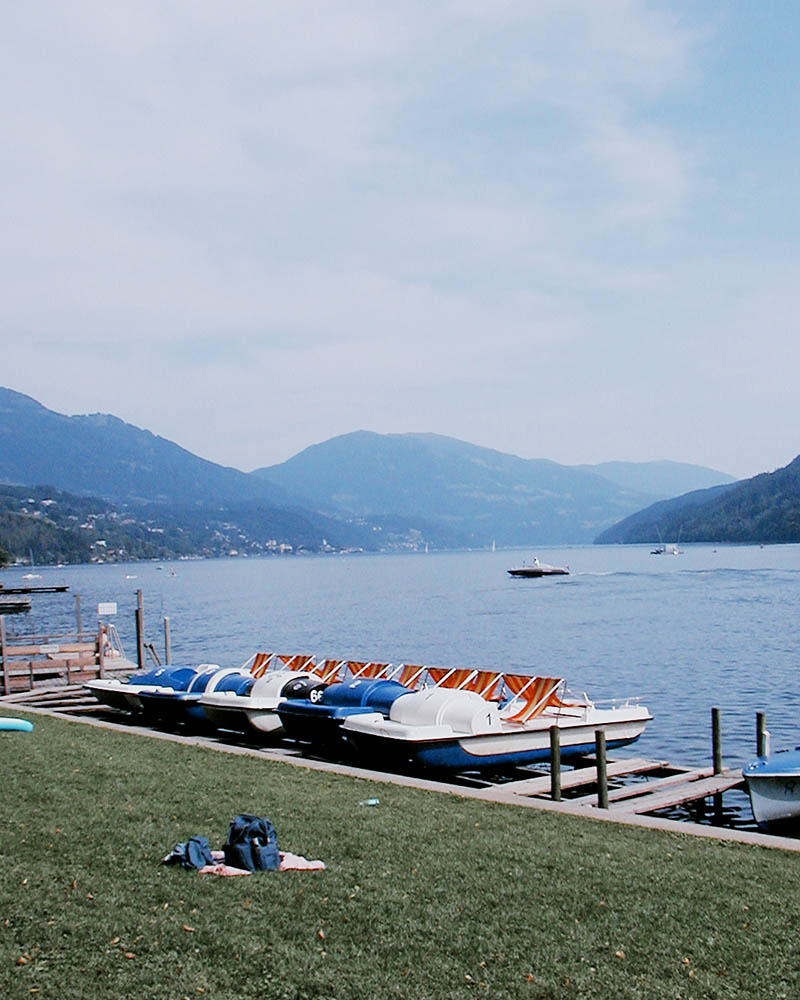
<point x="16" y="725"/>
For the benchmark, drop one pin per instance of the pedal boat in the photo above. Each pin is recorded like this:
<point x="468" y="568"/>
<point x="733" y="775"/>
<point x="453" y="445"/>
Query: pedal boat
<point x="181" y="705"/>
<point x="250" y="704"/>
<point x="124" y="694"/>
<point x="440" y="727"/>
<point x="318" y="719"/>
<point x="773" y="784"/>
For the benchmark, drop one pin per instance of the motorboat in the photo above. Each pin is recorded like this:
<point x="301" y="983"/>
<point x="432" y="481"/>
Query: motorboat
<point x="538" y="569"/>
<point x="773" y="783"/>
<point x="462" y="730"/>
<point x="124" y="694"/>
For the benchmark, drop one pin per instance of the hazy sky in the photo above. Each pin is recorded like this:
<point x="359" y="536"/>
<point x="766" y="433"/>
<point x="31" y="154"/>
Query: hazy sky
<point x="565" y="229"/>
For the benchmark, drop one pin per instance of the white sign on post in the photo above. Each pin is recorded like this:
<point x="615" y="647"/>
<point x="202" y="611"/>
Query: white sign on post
<point x="109" y="608"/>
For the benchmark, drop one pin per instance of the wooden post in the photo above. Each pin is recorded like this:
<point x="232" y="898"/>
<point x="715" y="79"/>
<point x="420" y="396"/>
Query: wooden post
<point x="6" y="685"/>
<point x="78" y="621"/>
<point x="139" y="630"/>
<point x="761" y="734"/>
<point x="101" y="648"/>
<point x="167" y="647"/>
<point x="602" y="769"/>
<point x="555" y="764"/>
<point x="716" y="740"/>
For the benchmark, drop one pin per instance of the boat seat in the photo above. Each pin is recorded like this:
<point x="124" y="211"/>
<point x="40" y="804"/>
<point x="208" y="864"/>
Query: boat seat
<point x="296" y="662"/>
<point x="367" y="669"/>
<point x="409" y="674"/>
<point x="536" y="694"/>
<point x="453" y="677"/>
<point x="259" y="663"/>
<point x="484" y="682"/>
<point x="329" y="670"/>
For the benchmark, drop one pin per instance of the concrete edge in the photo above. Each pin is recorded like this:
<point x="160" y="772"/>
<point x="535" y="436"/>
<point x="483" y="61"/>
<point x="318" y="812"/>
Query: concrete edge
<point x="496" y="795"/>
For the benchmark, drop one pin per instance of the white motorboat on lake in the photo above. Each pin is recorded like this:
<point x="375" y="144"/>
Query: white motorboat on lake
<point x="538" y="569"/>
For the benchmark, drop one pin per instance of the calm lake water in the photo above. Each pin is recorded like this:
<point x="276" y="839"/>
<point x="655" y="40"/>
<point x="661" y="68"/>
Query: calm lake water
<point x="712" y="626"/>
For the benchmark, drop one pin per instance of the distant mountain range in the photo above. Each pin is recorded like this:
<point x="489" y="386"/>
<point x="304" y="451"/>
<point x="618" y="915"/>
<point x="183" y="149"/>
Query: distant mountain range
<point x="479" y="494"/>
<point x="357" y="491"/>
<point x="763" y="509"/>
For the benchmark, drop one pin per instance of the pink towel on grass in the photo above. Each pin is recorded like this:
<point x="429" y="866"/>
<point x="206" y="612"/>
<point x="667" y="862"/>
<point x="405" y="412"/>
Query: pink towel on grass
<point x="289" y="863"/>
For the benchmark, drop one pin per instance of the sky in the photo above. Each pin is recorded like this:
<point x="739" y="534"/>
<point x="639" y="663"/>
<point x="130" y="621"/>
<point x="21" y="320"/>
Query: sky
<point x="562" y="229"/>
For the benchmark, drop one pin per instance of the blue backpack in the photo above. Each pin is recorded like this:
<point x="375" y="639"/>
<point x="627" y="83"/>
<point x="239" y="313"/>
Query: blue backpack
<point x="252" y="844"/>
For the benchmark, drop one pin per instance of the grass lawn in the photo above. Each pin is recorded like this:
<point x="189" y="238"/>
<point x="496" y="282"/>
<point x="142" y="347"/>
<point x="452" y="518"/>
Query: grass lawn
<point x="425" y="896"/>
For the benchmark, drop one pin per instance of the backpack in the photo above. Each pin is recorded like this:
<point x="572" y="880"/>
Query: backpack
<point x="252" y="844"/>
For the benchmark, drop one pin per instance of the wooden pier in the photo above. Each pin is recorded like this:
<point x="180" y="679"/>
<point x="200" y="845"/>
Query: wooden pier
<point x="665" y="786"/>
<point x="31" y="661"/>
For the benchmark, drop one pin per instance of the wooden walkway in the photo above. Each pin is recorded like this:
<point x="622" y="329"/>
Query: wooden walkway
<point x="674" y="787"/>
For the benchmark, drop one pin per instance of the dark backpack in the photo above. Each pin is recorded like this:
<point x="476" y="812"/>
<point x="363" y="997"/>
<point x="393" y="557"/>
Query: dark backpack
<point x="252" y="844"/>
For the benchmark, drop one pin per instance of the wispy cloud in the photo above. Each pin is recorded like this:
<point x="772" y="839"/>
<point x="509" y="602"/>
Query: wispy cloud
<point x="399" y="213"/>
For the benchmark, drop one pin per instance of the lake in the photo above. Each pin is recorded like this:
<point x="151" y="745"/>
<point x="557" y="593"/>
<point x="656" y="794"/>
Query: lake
<point x="714" y="626"/>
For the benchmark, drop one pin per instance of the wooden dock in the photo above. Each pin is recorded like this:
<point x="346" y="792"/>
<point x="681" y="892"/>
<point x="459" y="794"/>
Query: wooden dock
<point x="30" y="661"/>
<point x="673" y="786"/>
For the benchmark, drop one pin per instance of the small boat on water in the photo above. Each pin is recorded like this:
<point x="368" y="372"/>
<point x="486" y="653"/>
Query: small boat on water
<point x="461" y="729"/>
<point x="538" y="569"/>
<point x="773" y="783"/>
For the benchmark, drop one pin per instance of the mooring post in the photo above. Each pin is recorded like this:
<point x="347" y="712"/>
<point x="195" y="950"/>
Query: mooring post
<point x="761" y="734"/>
<point x="6" y="685"/>
<point x="555" y="764"/>
<point x="716" y="740"/>
<point x="602" y="769"/>
<point x="167" y="647"/>
<point x="139" y="630"/>
<point x="78" y="622"/>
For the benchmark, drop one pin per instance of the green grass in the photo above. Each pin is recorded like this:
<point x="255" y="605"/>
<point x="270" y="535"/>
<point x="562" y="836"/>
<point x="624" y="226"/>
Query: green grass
<point x="425" y="896"/>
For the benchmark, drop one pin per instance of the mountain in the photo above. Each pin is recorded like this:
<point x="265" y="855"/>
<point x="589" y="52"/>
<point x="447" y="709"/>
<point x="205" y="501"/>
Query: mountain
<point x="481" y="494"/>
<point x="764" y="509"/>
<point x="52" y="526"/>
<point x="103" y="456"/>
<point x="659" y="479"/>
<point x="195" y="506"/>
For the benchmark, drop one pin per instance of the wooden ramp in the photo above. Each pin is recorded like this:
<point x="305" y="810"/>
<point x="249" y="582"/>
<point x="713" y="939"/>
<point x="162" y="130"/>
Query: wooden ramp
<point x="579" y="776"/>
<point x="62" y="698"/>
<point x="672" y="787"/>
<point x="695" y="785"/>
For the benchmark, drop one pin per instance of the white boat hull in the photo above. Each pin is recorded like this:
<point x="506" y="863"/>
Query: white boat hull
<point x="773" y="784"/>
<point x="442" y="746"/>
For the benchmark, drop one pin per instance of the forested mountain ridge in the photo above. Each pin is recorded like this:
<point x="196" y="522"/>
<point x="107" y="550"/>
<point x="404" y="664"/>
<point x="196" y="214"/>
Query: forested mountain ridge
<point x="376" y="492"/>
<point x="483" y="494"/>
<point x="763" y="509"/>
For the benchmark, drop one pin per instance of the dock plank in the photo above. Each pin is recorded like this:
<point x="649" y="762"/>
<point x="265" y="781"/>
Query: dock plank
<point x="646" y="788"/>
<point x="678" y="794"/>
<point x="580" y="776"/>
